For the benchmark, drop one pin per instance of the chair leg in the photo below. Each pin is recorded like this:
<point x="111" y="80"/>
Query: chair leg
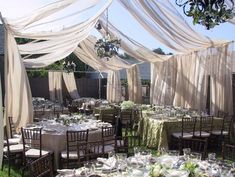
<point x="9" y="167"/>
<point x="3" y="161"/>
<point x="53" y="168"/>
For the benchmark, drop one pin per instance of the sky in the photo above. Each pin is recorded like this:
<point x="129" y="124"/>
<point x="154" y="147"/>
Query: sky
<point x="119" y="16"/>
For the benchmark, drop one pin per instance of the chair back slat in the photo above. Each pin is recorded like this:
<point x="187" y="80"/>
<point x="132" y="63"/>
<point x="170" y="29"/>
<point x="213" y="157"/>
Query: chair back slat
<point x="196" y="145"/>
<point x="12" y="127"/>
<point x="73" y="137"/>
<point x="41" y="167"/>
<point x="228" y="152"/>
<point x="126" y="116"/>
<point x="32" y="137"/>
<point x="108" y="115"/>
<point x="206" y="123"/>
<point x="94" y="150"/>
<point x="187" y="125"/>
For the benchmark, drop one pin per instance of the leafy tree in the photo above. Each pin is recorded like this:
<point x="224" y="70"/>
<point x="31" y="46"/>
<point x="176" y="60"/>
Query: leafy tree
<point x="159" y="51"/>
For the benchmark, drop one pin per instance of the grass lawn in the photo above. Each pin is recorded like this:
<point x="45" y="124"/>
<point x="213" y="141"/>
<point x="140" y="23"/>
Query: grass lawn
<point x="14" y="172"/>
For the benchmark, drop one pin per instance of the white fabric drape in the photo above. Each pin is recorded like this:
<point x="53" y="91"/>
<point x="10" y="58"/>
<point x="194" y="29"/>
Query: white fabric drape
<point x="70" y="84"/>
<point x="129" y="45"/>
<point x="161" y="19"/>
<point x="55" y="86"/>
<point x="1" y="125"/>
<point x="134" y="84"/>
<point x="113" y="87"/>
<point x="56" y="45"/>
<point x="18" y="98"/>
<point x="163" y="77"/>
<point x="182" y="80"/>
<point x="87" y="54"/>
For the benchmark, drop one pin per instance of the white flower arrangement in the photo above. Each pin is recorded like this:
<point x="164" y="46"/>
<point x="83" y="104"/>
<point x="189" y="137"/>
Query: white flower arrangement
<point x="127" y="105"/>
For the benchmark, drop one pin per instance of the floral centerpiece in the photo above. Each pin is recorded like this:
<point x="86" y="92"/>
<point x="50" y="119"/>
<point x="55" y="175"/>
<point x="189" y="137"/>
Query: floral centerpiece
<point x="127" y="105"/>
<point x="69" y="120"/>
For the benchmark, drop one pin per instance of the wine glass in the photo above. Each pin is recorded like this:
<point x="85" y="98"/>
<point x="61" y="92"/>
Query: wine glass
<point x="211" y="157"/>
<point x="136" y="151"/>
<point x="111" y="154"/>
<point x="186" y="152"/>
<point x="194" y="156"/>
<point x="162" y="151"/>
<point x="89" y="168"/>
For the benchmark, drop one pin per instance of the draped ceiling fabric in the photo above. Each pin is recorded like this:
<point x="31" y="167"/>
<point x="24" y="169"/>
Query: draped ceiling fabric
<point x="182" y="80"/>
<point x="86" y="53"/>
<point x="114" y="92"/>
<point x="134" y="84"/>
<point x="162" y="20"/>
<point x="52" y="45"/>
<point x="55" y="86"/>
<point x="129" y="45"/>
<point x="70" y="83"/>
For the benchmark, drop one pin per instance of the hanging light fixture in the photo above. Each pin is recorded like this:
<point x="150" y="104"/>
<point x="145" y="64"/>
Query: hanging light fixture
<point x="69" y="66"/>
<point x="106" y="47"/>
<point x="208" y="13"/>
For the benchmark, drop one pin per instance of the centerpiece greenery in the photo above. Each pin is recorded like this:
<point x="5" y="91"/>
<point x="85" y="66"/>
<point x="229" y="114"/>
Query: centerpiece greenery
<point x="127" y="105"/>
<point x="208" y="13"/>
<point x="107" y="47"/>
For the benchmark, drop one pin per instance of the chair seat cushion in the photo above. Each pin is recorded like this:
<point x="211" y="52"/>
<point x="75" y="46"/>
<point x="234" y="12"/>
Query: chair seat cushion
<point x="203" y="134"/>
<point x="185" y="135"/>
<point x="72" y="154"/>
<point x="120" y="143"/>
<point x="108" y="148"/>
<point x="14" y="148"/>
<point x="12" y="141"/>
<point x="16" y="136"/>
<point x="34" y="153"/>
<point x="218" y="132"/>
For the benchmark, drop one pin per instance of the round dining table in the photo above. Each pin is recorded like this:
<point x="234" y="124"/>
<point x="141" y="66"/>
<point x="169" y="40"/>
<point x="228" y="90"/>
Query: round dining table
<point x="54" y="134"/>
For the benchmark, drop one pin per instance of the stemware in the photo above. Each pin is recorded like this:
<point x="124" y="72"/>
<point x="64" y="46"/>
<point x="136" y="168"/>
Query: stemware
<point x="173" y="153"/>
<point x="194" y="156"/>
<point x="136" y="151"/>
<point x="162" y="151"/>
<point x="186" y="152"/>
<point x="211" y="157"/>
<point x="111" y="154"/>
<point x="121" y="156"/>
<point x="89" y="168"/>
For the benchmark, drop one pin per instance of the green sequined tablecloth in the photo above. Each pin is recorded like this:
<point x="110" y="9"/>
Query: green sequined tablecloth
<point x="156" y="133"/>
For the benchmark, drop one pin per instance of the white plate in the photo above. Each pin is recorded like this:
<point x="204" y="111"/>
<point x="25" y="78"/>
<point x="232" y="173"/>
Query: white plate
<point x="176" y="173"/>
<point x="65" y="171"/>
<point x="49" y="130"/>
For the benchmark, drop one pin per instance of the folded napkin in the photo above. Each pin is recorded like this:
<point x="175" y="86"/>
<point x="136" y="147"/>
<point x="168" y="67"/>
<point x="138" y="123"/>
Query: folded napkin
<point x="66" y="171"/>
<point x="109" y="163"/>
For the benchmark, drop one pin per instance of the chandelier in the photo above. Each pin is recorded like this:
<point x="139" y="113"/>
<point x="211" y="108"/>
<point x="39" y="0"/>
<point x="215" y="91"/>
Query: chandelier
<point x="69" y="66"/>
<point x="208" y="13"/>
<point x="106" y="47"/>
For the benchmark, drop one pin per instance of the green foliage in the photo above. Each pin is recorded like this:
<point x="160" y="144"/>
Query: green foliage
<point x="14" y="172"/>
<point x="107" y="48"/>
<point x="159" y="51"/>
<point x="208" y="14"/>
<point x="145" y="82"/>
<point x="190" y="167"/>
<point x="43" y="72"/>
